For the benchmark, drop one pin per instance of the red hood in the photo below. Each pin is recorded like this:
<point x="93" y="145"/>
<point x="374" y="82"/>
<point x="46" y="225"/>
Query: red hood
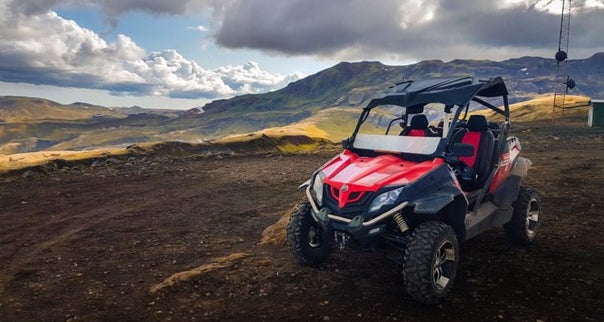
<point x="354" y="175"/>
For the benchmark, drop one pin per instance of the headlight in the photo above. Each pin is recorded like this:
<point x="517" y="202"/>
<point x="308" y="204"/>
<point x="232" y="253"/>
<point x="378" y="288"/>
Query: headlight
<point x="317" y="187"/>
<point x="385" y="199"/>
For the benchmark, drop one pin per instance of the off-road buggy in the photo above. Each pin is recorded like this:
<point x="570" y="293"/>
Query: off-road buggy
<point x="420" y="192"/>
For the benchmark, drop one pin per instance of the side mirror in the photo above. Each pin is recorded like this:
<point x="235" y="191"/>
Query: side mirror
<point x="462" y="150"/>
<point x="345" y="143"/>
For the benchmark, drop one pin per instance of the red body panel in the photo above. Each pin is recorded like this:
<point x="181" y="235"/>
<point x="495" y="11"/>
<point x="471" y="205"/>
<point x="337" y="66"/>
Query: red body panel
<point x="505" y="166"/>
<point x="362" y="174"/>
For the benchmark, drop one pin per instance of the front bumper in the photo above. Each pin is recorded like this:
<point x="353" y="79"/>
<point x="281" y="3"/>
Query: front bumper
<point x="358" y="227"/>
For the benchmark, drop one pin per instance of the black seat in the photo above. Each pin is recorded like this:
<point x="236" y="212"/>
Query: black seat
<point x="478" y="134"/>
<point x="418" y="127"/>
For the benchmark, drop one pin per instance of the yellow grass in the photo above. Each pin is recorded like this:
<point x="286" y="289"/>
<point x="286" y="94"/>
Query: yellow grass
<point x="305" y="127"/>
<point x="541" y="107"/>
<point x="292" y="148"/>
<point x="332" y="124"/>
<point x="217" y="263"/>
<point x="22" y="160"/>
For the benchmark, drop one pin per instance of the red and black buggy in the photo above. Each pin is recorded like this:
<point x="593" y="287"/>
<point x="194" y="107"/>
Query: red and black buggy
<point x="420" y="192"/>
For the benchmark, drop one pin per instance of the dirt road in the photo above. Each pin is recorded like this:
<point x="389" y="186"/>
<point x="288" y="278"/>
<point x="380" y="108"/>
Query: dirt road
<point x="103" y="243"/>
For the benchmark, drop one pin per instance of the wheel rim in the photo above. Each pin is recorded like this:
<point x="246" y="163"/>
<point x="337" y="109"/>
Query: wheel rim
<point x="532" y="217"/>
<point x="314" y="238"/>
<point x="444" y="265"/>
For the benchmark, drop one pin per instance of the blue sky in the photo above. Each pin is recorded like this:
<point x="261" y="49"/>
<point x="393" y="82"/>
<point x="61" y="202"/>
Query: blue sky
<point x="159" y="32"/>
<point x="185" y="53"/>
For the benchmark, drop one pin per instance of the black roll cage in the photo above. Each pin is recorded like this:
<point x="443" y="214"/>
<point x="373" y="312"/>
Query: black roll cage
<point x="451" y="92"/>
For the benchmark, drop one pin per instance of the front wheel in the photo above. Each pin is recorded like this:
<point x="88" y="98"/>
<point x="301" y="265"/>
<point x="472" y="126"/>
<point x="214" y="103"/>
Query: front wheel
<point x="308" y="241"/>
<point x="522" y="228"/>
<point x="430" y="262"/>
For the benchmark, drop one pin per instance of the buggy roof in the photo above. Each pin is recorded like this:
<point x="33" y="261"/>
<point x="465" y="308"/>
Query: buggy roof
<point x="448" y="91"/>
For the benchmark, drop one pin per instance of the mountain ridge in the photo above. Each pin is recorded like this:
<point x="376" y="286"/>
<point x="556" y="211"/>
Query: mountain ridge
<point x="21" y="108"/>
<point x="353" y="84"/>
<point x="336" y="92"/>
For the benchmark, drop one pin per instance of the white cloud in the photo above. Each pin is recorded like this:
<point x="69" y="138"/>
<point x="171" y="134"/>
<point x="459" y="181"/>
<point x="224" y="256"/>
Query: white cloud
<point x="416" y="12"/>
<point x="38" y="46"/>
<point x="45" y="48"/>
<point x="199" y="28"/>
<point x="413" y="29"/>
<point x="249" y="78"/>
<point x="554" y="7"/>
<point x="113" y="8"/>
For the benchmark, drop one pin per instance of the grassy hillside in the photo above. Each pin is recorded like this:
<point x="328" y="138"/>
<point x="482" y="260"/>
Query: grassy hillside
<point x="18" y="109"/>
<point x="23" y="160"/>
<point x="332" y="124"/>
<point x="242" y="144"/>
<point x="337" y="123"/>
<point x="541" y="107"/>
<point x="329" y="125"/>
<point x="353" y="84"/>
<point x="345" y="84"/>
<point x="29" y="136"/>
<point x="314" y="104"/>
<point x="324" y="105"/>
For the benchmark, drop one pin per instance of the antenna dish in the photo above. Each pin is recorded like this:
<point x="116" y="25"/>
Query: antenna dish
<point x="563" y="81"/>
<point x="561" y="56"/>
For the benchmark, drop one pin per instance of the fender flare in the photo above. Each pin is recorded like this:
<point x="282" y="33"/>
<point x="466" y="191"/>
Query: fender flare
<point x="437" y="200"/>
<point x="439" y="191"/>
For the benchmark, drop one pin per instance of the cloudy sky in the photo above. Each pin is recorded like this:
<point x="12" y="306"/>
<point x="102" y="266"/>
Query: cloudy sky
<point x="184" y="53"/>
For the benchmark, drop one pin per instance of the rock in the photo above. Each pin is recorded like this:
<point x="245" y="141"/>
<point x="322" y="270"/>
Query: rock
<point x="473" y="281"/>
<point x="27" y="174"/>
<point x="113" y="161"/>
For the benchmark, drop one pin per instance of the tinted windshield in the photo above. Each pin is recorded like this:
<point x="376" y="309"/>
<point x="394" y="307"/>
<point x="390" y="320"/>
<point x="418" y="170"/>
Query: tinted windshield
<point x="385" y="130"/>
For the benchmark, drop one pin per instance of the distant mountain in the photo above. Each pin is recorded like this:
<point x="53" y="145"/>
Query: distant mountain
<point x="328" y="99"/>
<point x="352" y="84"/>
<point x="30" y="124"/>
<point x="15" y="108"/>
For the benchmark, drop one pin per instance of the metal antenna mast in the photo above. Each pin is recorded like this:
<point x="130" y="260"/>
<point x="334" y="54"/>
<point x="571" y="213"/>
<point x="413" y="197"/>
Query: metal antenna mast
<point x="563" y="80"/>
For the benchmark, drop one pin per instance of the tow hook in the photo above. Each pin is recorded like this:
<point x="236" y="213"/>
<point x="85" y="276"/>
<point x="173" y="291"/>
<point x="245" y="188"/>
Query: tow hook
<point x="341" y="239"/>
<point x="322" y="217"/>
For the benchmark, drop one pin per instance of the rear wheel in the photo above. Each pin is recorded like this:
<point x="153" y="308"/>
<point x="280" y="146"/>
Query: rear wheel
<point x="522" y="228"/>
<point x="308" y="241"/>
<point x="431" y="261"/>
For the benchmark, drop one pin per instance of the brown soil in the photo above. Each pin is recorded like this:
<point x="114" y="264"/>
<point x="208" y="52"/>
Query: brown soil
<point x="163" y="238"/>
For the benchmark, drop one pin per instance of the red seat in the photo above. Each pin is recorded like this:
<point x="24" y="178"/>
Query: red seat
<point x="477" y="134"/>
<point x="418" y="127"/>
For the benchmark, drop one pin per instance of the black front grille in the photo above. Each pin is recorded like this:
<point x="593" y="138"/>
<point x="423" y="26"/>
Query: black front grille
<point x="351" y="209"/>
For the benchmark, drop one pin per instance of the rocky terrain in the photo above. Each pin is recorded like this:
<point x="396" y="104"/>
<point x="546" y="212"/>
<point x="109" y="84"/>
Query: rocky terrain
<point x="185" y="236"/>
